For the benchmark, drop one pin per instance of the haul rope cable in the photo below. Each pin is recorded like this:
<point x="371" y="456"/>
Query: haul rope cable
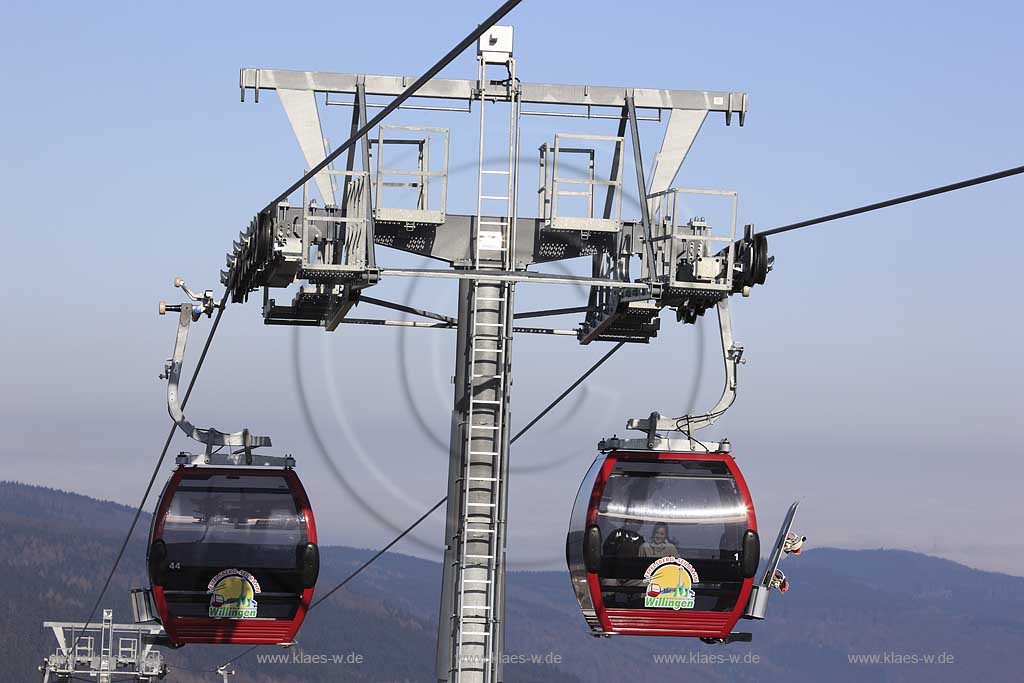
<point x="896" y="200"/>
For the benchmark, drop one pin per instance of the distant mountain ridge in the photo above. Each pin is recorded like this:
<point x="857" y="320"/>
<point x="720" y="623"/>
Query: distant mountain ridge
<point x="56" y="548"/>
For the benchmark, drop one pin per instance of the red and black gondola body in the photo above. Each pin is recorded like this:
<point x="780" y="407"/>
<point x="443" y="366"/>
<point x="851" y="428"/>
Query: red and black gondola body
<point x="233" y="555"/>
<point x="663" y="544"/>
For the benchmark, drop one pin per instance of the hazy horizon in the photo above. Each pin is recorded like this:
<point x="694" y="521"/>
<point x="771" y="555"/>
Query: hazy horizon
<point x="881" y="387"/>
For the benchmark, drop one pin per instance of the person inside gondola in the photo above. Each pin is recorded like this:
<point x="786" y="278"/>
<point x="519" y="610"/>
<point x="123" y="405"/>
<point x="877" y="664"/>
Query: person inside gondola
<point x="659" y="545"/>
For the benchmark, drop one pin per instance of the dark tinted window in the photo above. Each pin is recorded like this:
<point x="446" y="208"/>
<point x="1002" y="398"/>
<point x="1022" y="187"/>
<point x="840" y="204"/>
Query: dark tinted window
<point x="690" y="510"/>
<point x="253" y="512"/>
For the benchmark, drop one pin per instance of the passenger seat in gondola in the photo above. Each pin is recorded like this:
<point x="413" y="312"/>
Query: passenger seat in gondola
<point x="623" y="544"/>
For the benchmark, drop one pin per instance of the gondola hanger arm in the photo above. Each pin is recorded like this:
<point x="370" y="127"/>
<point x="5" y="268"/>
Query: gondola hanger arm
<point x="732" y="356"/>
<point x="188" y="313"/>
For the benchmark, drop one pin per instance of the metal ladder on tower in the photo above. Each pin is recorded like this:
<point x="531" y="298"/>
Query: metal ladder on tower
<point x="106" y="646"/>
<point x="480" y="601"/>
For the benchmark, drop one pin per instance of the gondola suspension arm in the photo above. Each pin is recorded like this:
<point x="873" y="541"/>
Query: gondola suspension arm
<point x="732" y="356"/>
<point x="190" y="312"/>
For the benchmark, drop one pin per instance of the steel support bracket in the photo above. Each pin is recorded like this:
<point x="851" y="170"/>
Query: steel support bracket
<point x="210" y="437"/>
<point x="732" y="355"/>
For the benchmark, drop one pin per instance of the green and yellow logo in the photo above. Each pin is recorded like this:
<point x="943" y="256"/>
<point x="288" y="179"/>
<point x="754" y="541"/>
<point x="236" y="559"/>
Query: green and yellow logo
<point x="233" y="595"/>
<point x="670" y="584"/>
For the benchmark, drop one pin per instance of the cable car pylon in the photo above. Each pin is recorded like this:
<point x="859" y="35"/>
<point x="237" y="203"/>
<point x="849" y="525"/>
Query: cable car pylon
<point x="331" y="247"/>
<point x="106" y="652"/>
<point x="472" y="601"/>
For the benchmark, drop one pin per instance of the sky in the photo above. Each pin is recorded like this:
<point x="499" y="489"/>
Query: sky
<point x="882" y="387"/>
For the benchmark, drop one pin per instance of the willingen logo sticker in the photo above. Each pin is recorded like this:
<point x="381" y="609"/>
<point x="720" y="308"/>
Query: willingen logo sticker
<point x="670" y="584"/>
<point x="233" y="595"/>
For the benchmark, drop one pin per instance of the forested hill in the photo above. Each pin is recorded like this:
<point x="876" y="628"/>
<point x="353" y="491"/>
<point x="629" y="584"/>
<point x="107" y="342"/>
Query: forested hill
<point x="894" y="606"/>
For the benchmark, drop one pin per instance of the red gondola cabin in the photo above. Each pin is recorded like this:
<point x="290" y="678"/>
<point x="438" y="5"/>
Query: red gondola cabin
<point x="663" y="544"/>
<point x="233" y="555"/>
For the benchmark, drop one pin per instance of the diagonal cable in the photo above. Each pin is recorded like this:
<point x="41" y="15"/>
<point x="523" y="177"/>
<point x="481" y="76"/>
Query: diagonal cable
<point x="441" y="502"/>
<point x="897" y="200"/>
<point x="487" y="23"/>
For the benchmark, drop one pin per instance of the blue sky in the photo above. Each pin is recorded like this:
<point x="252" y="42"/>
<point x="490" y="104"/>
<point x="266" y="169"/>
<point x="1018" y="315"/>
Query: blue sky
<point x="883" y="382"/>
